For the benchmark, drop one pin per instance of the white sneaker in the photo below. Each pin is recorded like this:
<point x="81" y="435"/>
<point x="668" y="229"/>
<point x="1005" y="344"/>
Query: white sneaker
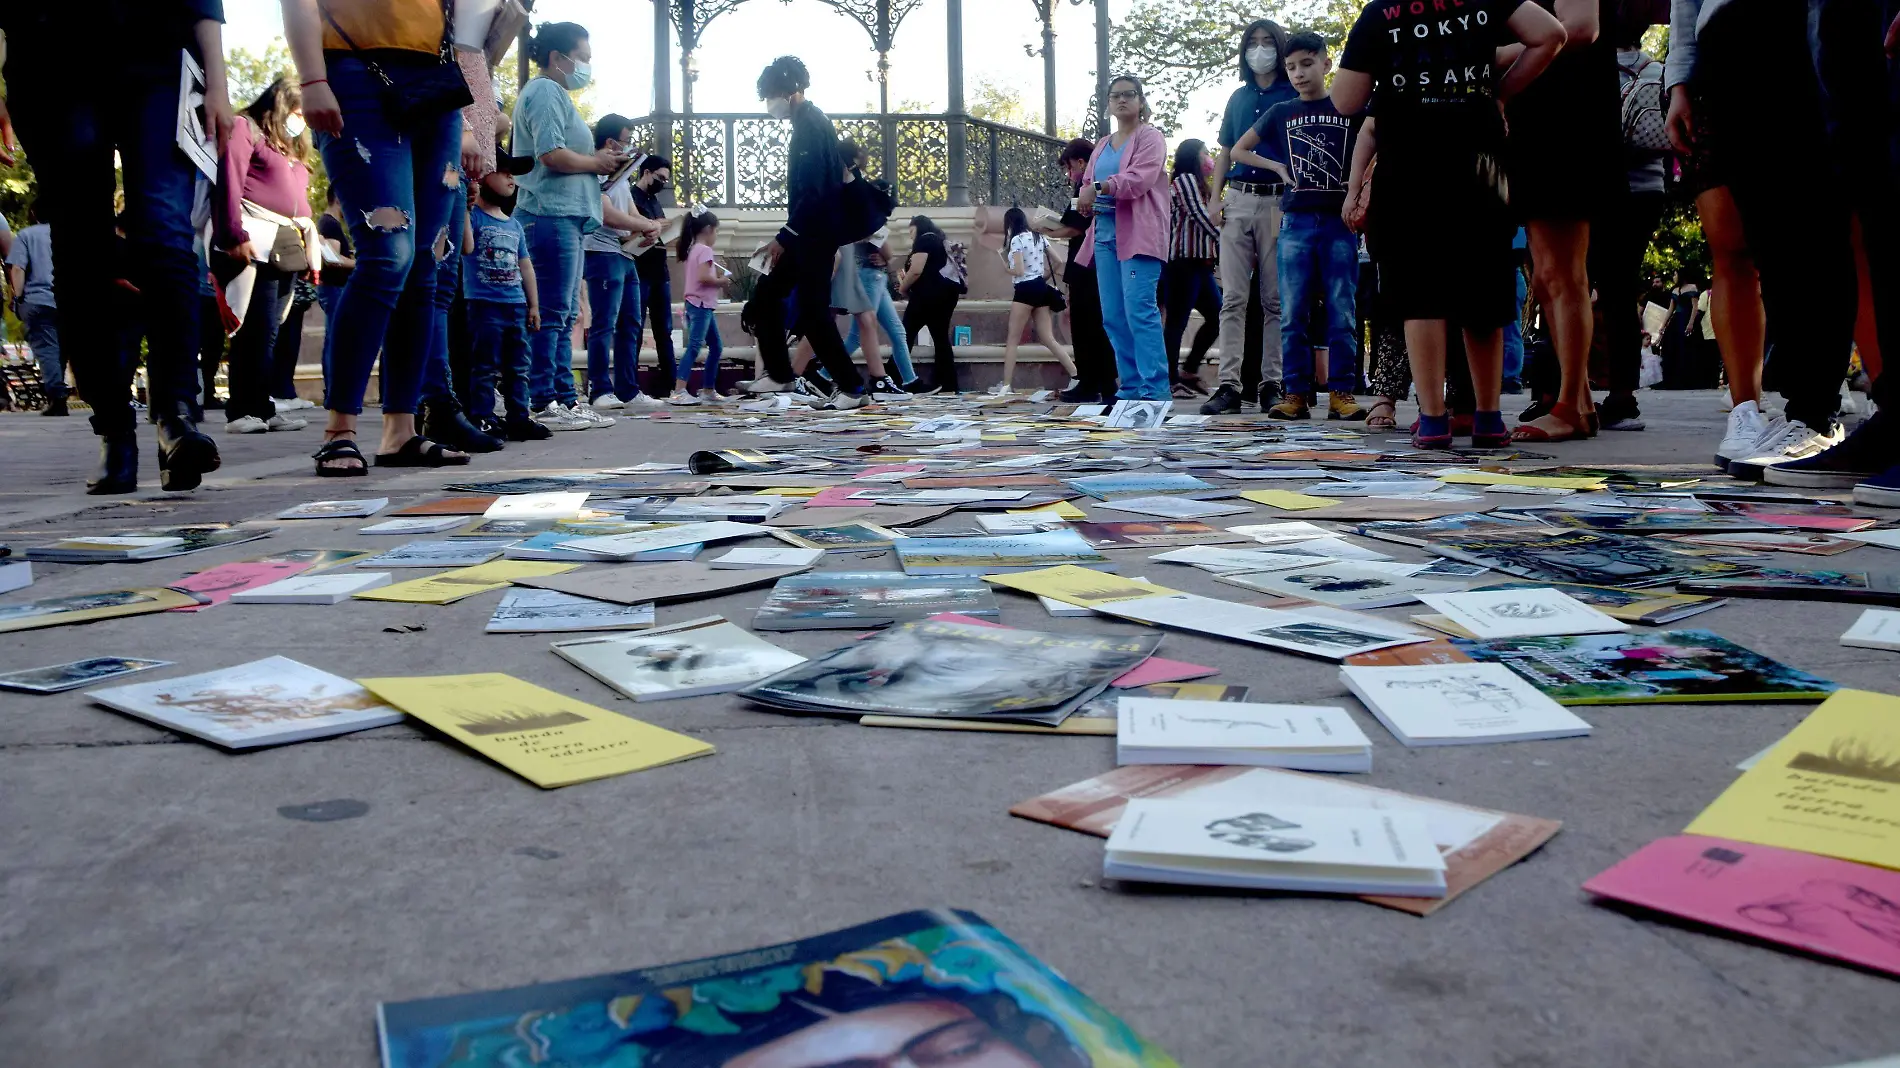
<point x="607" y="402"/>
<point x="710" y="396"/>
<point x="640" y="402"/>
<point x="249" y="424"/>
<point x="1746" y="425"/>
<point x="682" y="398"/>
<point x="291" y="404"/>
<point x="1789" y="439"/>
<point x="557" y="417"/>
<point x="1075" y="382"/>
<point x="765" y="384"/>
<point x="285" y="422"/>
<point x="844" y="402"/>
<point x="1001" y="389"/>
<point x="594" y="418"/>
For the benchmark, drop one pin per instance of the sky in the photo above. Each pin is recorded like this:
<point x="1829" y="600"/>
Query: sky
<point x="833" y="46"/>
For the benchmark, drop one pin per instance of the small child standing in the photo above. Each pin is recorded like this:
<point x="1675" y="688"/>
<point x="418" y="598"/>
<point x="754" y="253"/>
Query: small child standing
<point x="706" y="280"/>
<point x="1028" y="261"/>
<point x="498" y="286"/>
<point x="1308" y="143"/>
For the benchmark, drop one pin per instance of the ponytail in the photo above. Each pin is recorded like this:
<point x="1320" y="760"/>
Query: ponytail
<point x="698" y="222"/>
<point x="552" y="37"/>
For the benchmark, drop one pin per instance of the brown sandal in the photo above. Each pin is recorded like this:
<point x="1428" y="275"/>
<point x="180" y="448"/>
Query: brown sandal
<point x="1388" y="421"/>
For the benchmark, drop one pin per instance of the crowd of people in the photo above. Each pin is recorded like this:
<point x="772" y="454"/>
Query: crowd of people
<point x="1387" y="198"/>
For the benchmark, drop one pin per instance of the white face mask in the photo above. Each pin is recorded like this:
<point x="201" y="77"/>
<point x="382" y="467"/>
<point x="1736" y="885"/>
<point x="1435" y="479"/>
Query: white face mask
<point x="779" y="107"/>
<point x="293" y="125"/>
<point x="1261" y="58"/>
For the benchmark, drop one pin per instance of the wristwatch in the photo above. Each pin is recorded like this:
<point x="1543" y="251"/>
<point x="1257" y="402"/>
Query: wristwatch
<point x="1098" y="189"/>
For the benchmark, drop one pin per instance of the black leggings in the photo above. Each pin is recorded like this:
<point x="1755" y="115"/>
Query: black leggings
<point x="1188" y="285"/>
<point x="254" y="347"/>
<point x="933" y="313"/>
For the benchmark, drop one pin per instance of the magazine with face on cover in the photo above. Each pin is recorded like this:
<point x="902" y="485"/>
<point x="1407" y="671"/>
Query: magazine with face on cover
<point x="1647" y="667"/>
<point x="700" y="656"/>
<point x="529" y="611"/>
<point x="931" y="989"/>
<point x="844" y="599"/>
<point x="265" y="702"/>
<point x="932" y="668"/>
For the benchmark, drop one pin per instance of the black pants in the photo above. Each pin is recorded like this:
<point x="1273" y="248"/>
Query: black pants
<point x="1617" y="242"/>
<point x="656" y="290"/>
<point x="210" y="343"/>
<point x="1186" y="286"/>
<point x="288" y="349"/>
<point x="803" y="274"/>
<point x="71" y="128"/>
<point x="254" y="347"/>
<point x="1094" y="354"/>
<point x="933" y="312"/>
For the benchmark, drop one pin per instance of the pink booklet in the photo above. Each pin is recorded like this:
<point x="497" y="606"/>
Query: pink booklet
<point x="219" y="583"/>
<point x="1833" y="908"/>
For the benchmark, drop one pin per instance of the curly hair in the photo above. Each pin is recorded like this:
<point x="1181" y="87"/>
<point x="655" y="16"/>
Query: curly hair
<point x="783" y="77"/>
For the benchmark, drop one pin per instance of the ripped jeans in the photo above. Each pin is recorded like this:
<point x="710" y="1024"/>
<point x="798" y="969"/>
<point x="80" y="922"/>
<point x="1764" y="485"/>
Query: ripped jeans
<point x="394" y="184"/>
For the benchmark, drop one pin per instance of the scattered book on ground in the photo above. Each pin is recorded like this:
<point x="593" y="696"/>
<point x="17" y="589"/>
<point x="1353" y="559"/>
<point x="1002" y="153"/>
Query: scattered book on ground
<point x="15" y="574"/>
<point x="937" y="989"/>
<point x="1278" y="847"/>
<point x="628" y="546"/>
<point x="451" y="586"/>
<point x="1857" y="587"/>
<point x="57" y="678"/>
<point x="842" y="537"/>
<point x="1477" y="843"/>
<point x="557" y="504"/>
<point x="1587" y="556"/>
<point x="1830" y="786"/>
<point x="1782" y="541"/>
<point x="1082" y="587"/>
<point x="87" y="607"/>
<point x="734" y="559"/>
<point x="1141" y="535"/>
<point x="1419" y="532"/>
<point x="989" y="556"/>
<point x="1173" y="507"/>
<point x="271" y="701"/>
<point x="1136" y="484"/>
<point x="353" y="509"/>
<point x="864" y="599"/>
<point x="216" y="585"/>
<point x="1877" y="628"/>
<point x="1651" y="608"/>
<point x="1459" y="704"/>
<point x="547" y="738"/>
<point x="1309" y="632"/>
<point x="524" y="611"/>
<point x="1342" y="584"/>
<point x="453" y="552"/>
<point x="153" y="544"/>
<point x="930" y="668"/>
<point x="104" y="549"/>
<point x="1299" y="737"/>
<point x="448" y="506"/>
<point x="332" y="588"/>
<point x="701" y="656"/>
<point x="1286" y="500"/>
<point x="1815" y="904"/>
<point x="1526" y="613"/>
<point x="659" y="583"/>
<point x="1647" y="668"/>
<point x="417" y="525"/>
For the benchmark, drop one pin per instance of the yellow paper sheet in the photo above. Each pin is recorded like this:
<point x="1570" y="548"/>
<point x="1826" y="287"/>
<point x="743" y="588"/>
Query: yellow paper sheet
<point x="506" y="571"/>
<point x="1083" y="587"/>
<point x="1286" y="500"/>
<point x="1831" y="786"/>
<point x="546" y="738"/>
<point x="1060" y="509"/>
<point x="1493" y="478"/>
<point x="451" y="586"/>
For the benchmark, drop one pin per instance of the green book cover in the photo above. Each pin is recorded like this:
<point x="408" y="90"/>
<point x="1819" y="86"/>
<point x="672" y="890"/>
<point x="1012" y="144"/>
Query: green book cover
<point x="1654" y="667"/>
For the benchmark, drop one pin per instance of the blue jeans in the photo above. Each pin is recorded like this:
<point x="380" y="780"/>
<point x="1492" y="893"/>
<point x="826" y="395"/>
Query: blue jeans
<point x="1131" y="314"/>
<point x="877" y="281"/>
<point x="1514" y="334"/>
<point x="498" y="344"/>
<point x="702" y="328"/>
<point x="387" y="306"/>
<point x="613" y="334"/>
<point x="554" y="244"/>
<point x="437" y="384"/>
<point x="42" y="336"/>
<point x="1318" y="256"/>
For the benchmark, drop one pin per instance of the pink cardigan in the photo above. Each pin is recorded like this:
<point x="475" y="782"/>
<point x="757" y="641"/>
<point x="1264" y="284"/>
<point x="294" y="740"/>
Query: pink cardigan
<point x="1140" y="189"/>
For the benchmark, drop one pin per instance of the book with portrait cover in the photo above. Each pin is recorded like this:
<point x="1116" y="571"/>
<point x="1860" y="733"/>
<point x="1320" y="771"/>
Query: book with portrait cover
<point x="835" y="599"/>
<point x="1646" y="667"/>
<point x="928" y="988"/>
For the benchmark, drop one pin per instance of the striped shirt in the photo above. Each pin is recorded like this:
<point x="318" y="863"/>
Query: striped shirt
<point x="1192" y="234"/>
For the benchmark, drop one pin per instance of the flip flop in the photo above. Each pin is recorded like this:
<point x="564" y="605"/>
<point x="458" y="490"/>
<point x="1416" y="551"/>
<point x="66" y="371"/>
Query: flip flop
<point x="1529" y="432"/>
<point x="419" y="451"/>
<point x="1388" y="421"/>
<point x="340" y="449"/>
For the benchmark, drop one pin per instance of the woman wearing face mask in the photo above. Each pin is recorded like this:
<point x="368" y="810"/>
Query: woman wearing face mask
<point x="1125" y="190"/>
<point x="1248" y="214"/>
<point x="262" y="219"/>
<point x="558" y="202"/>
<point x="1188" y="279"/>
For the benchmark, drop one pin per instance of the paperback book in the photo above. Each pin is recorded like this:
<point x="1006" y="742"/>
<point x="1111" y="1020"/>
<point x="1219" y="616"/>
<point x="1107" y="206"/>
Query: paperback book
<point x="1419" y="532"/>
<point x="1877" y="628"/>
<point x="354" y="509"/>
<point x="1651" y="608"/>
<point x="58" y="678"/>
<point x="989" y="556"/>
<point x="558" y="504"/>
<point x="936" y="989"/>
<point x="1586" y="556"/>
<point x="15" y="574"/>
<point x="454" y="552"/>
<point x="1298" y="737"/>
<point x="1459" y="704"/>
<point x="1173" y="507"/>
<point x="658" y="583"/>
<point x="1309" y="632"/>
<point x="152" y="544"/>
<point x="1343" y="584"/>
<point x="1135" y="484"/>
<point x="1647" y="668"/>
<point x="1279" y="847"/>
<point x="1781" y="541"/>
<point x="526" y="611"/>
<point x="110" y="548"/>
<point x="314" y="589"/>
<point x="1524" y="613"/>
<point x="87" y="607"/>
<point x="1095" y="718"/>
<point x="701" y="656"/>
<point x="448" y="506"/>
<point x="864" y="599"/>
<point x="416" y="525"/>
<point x="1855" y="587"/>
<point x="1142" y="535"/>
<point x="844" y="537"/>
<point x="734" y="559"/>
<point x="628" y="546"/>
<point x="271" y="701"/>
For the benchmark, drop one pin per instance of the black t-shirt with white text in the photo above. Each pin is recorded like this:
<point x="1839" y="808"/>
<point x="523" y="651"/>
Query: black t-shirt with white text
<point x="1314" y="142"/>
<point x="1431" y="61"/>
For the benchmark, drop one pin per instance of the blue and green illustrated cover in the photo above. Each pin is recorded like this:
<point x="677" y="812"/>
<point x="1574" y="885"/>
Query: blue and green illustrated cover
<point x="1639" y="667"/>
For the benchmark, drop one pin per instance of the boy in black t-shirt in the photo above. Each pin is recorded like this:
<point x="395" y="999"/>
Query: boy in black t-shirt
<point x="1308" y="143"/>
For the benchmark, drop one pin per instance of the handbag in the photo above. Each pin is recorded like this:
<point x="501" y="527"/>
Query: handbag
<point x="413" y="95"/>
<point x="287" y="253"/>
<point x="510" y="17"/>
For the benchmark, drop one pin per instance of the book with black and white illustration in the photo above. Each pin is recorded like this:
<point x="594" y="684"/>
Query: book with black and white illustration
<point x="529" y="611"/>
<point x="1138" y="414"/>
<point x="700" y="656"/>
<point x="57" y="678"/>
<point x="1877" y="628"/>
<point x="421" y="524"/>
<point x="1298" y="737"/>
<point x="1460" y="704"/>
<point x="1275" y="847"/>
<point x="351" y="509"/>
<point x="863" y="599"/>
<point x="325" y="588"/>
<point x="454" y="552"/>
<point x="1341" y="584"/>
<point x="627" y="546"/>
<point x="743" y="557"/>
<point x="265" y="702"/>
<point x="1532" y="613"/>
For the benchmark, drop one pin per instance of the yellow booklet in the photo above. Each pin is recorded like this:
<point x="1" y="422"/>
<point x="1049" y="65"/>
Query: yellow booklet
<point x="451" y="586"/>
<point x="1495" y="478"/>
<point x="1831" y="786"/>
<point x="1084" y="587"/>
<point x="1060" y="509"/>
<point x="546" y="738"/>
<point x="1287" y="500"/>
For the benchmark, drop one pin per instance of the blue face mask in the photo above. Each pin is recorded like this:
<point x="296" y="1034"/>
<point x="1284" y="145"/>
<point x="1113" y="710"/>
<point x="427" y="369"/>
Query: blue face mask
<point x="581" y="76"/>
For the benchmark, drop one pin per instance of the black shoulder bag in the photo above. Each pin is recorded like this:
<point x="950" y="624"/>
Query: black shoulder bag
<point x="412" y="95"/>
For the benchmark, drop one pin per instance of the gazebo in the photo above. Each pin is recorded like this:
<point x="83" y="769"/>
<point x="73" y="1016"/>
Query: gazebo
<point x="945" y="159"/>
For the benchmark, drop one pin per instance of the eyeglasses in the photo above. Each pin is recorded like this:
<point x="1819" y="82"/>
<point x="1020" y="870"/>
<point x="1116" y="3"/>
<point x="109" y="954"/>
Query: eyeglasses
<point x="1125" y="94"/>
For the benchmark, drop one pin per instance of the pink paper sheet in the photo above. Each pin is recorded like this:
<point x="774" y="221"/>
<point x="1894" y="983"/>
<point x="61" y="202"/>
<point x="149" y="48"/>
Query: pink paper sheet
<point x="1833" y="908"/>
<point x="219" y="583"/>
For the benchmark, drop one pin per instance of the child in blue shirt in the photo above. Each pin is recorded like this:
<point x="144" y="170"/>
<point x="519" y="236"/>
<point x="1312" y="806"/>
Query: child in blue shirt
<point x="498" y="286"/>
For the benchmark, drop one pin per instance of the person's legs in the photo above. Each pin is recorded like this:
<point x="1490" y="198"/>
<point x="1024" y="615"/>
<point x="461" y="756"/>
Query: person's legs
<point x="944" y="353"/>
<point x="1267" y="274"/>
<point x="42" y="336"/>
<point x="1561" y="279"/>
<point x="1109" y="284"/>
<point x="657" y="291"/>
<point x="1514" y="338"/>
<point x="438" y="387"/>
<point x="1298" y="256"/>
<point x="715" y="352"/>
<point x="767" y="314"/>
<point x="1207" y="301"/>
<point x="877" y="283"/>
<point x="1045" y="321"/>
<point x="485" y="320"/>
<point x="865" y="325"/>
<point x="253" y="347"/>
<point x="1012" y="334"/>
<point x="288" y="349"/>
<point x="632" y="317"/>
<point x="698" y="321"/>
<point x="1177" y="300"/>
<point x="1094" y="356"/>
<point x="1240" y="253"/>
<point x="815" y="321"/>
<point x="1338" y="264"/>
<point x="604" y="274"/>
<point x="554" y="243"/>
<point x="1141" y="277"/>
<point x="1735" y="307"/>
<point x="1425" y="351"/>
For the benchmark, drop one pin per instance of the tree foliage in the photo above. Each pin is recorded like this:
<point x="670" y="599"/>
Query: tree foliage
<point x="1179" y="47"/>
<point x="248" y="74"/>
<point x="1000" y="103"/>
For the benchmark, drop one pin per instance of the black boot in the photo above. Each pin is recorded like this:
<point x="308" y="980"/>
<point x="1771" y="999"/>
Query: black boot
<point x="444" y="422"/>
<point x="55" y="405"/>
<point x="184" y="452"/>
<point x="118" y="466"/>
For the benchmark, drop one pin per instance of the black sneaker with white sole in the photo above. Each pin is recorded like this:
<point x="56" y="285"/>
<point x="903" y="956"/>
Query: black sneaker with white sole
<point x="1870" y="450"/>
<point x="884" y="387"/>
<point x="1225" y="401"/>
<point x="1880" y="491"/>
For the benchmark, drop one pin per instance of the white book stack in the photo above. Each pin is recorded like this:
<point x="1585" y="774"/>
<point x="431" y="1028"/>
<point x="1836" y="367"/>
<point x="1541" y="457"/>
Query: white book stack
<point x="750" y="558"/>
<point x="1877" y="628"/>
<point x="314" y="589"/>
<point x="1275" y="847"/>
<point x="1532" y="613"/>
<point x="1460" y="704"/>
<point x="1299" y="737"/>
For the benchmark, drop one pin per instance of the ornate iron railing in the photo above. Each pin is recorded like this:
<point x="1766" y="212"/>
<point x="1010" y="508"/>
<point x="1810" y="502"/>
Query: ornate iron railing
<point x="739" y="160"/>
